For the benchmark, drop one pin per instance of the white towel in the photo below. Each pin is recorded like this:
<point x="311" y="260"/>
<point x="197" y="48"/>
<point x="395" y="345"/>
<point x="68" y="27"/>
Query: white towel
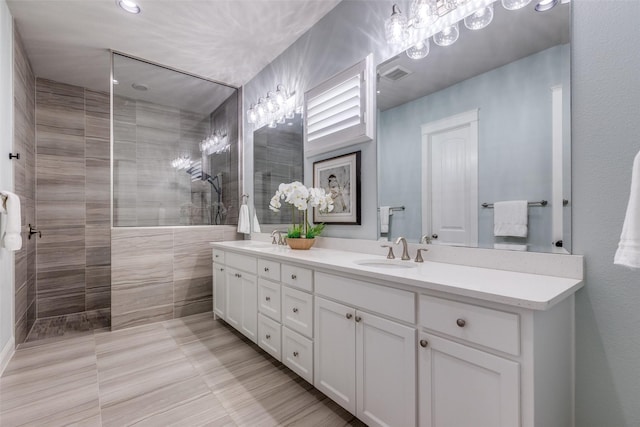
<point x="510" y="218"/>
<point x="244" y="226"/>
<point x="256" y="224"/>
<point x="12" y="239"/>
<point x="628" y="253"/>
<point x="510" y="246"/>
<point x="385" y="212"/>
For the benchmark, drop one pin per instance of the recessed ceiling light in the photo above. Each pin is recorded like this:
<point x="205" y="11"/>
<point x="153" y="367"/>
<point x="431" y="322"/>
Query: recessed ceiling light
<point x="128" y="5"/>
<point x="140" y="86"/>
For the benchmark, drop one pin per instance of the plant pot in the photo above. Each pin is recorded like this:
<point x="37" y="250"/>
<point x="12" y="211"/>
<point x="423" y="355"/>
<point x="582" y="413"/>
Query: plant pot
<point x="303" y="244"/>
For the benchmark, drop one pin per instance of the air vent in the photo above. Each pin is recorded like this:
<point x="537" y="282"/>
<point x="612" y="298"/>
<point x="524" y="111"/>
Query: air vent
<point x="396" y="73"/>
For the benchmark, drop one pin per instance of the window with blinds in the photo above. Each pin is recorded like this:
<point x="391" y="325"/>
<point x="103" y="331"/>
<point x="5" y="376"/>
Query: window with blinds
<point x="336" y="111"/>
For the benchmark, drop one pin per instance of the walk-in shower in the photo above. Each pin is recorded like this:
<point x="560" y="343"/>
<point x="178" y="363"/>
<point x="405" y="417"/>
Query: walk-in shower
<point x="175" y="152"/>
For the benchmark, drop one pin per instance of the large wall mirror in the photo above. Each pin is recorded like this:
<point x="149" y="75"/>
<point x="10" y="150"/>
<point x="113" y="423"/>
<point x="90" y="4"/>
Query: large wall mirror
<point x="482" y="121"/>
<point x="277" y="158"/>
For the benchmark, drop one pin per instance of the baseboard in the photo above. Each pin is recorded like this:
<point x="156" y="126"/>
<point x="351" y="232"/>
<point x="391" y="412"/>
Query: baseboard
<point x="6" y="354"/>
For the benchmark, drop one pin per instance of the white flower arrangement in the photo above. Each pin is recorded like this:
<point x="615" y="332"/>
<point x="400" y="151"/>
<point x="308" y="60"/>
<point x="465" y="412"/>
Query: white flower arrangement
<point x="302" y="198"/>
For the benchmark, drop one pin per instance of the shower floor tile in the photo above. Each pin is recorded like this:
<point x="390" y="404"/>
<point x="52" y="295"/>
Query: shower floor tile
<point x="69" y="325"/>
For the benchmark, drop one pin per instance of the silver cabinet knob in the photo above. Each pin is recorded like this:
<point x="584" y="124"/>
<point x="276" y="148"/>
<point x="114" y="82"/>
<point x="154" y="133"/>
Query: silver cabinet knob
<point x="267" y="298"/>
<point x="358" y="318"/>
<point x="293" y="277"/>
<point x="295" y="354"/>
<point x="222" y="269"/>
<point x="266" y="269"/>
<point x="461" y="322"/>
<point x="268" y="336"/>
<point x="423" y="343"/>
<point x="217" y="256"/>
<point x="349" y="315"/>
<point x="295" y="310"/>
<point x="434" y="236"/>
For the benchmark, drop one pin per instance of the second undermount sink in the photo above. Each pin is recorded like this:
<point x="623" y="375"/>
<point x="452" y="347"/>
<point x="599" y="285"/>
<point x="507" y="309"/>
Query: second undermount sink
<point x="386" y="263"/>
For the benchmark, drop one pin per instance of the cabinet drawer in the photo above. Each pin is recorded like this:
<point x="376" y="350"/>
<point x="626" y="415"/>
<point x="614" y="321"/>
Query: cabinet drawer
<point x="491" y="328"/>
<point x="297" y="277"/>
<point x="269" y="299"/>
<point x="297" y="353"/>
<point x="269" y="336"/>
<point x="297" y="311"/>
<point x="269" y="270"/>
<point x="217" y="256"/>
<point x="376" y="298"/>
<point x="241" y="262"/>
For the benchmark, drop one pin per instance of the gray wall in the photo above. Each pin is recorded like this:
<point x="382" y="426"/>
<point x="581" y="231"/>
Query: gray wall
<point x="72" y="199"/>
<point x="606" y="137"/>
<point x="514" y="148"/>
<point x="24" y="175"/>
<point x="6" y="178"/>
<point x="343" y="37"/>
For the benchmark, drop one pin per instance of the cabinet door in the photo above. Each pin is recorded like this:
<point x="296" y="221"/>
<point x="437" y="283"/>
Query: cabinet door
<point x="249" y="322"/>
<point x="385" y="371"/>
<point x="461" y="386"/>
<point x="219" y="291"/>
<point x="234" y="298"/>
<point x="335" y="352"/>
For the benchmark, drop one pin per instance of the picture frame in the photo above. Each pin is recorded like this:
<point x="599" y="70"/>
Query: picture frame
<point x="339" y="176"/>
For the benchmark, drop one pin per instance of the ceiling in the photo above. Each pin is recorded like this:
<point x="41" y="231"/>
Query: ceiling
<point x="512" y="35"/>
<point x="228" y="41"/>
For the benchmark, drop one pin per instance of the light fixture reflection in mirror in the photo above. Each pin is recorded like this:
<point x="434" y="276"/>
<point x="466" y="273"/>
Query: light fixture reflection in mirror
<point x="420" y="50"/>
<point x="448" y="36"/>
<point x="480" y="18"/>
<point x="515" y="4"/>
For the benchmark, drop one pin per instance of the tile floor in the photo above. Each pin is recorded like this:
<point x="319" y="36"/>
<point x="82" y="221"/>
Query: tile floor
<point x="193" y="371"/>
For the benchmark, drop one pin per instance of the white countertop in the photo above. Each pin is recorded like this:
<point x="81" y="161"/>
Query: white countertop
<point x="533" y="291"/>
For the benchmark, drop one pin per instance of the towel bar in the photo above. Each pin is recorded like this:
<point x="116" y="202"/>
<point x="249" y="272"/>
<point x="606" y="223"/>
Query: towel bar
<point x="540" y="203"/>
<point x="396" y="208"/>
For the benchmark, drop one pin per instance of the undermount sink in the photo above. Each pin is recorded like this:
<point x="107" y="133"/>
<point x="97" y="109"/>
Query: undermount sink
<point x="386" y="263"/>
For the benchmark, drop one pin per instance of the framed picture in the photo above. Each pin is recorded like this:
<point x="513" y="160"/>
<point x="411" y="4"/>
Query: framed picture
<point x="339" y="176"/>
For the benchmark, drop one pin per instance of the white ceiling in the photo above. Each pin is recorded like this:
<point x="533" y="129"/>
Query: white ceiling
<point x="225" y="40"/>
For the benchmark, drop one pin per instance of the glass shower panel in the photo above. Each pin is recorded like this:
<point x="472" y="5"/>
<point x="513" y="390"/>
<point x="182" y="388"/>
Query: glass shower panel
<point x="175" y="147"/>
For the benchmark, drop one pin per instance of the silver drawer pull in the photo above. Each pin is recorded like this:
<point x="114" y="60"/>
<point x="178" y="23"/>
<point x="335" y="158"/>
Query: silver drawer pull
<point x="293" y="277"/>
<point x="238" y="275"/>
<point x="423" y="343"/>
<point x="268" y="336"/>
<point x="461" y="322"/>
<point x="358" y="318"/>
<point x="295" y="354"/>
<point x="349" y="315"/>
<point x="267" y="298"/>
<point x="295" y="310"/>
<point x="266" y="269"/>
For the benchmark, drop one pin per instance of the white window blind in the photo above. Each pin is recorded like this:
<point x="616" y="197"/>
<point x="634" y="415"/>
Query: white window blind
<point x="336" y="110"/>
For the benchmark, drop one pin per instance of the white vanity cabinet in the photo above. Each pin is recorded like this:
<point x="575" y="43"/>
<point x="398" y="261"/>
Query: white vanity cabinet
<point x="242" y="294"/>
<point x="505" y="366"/>
<point x="219" y="284"/>
<point x="297" y="320"/>
<point x="435" y="345"/>
<point x="365" y="362"/>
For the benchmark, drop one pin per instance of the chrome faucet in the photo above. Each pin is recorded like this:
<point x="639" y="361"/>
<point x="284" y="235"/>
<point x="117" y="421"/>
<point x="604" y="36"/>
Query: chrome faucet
<point x="279" y="240"/>
<point x="426" y="239"/>
<point x="405" y="249"/>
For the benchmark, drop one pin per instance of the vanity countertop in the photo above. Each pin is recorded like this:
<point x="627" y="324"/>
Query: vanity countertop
<point x="532" y="291"/>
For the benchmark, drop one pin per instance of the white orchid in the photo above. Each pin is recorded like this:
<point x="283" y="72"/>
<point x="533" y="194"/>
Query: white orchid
<point x="302" y="198"/>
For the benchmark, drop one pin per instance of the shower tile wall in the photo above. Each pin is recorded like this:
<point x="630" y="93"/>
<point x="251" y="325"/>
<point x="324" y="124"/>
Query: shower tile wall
<point x="24" y="179"/>
<point x="72" y="199"/>
<point x="147" y="190"/>
<point x="162" y="273"/>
